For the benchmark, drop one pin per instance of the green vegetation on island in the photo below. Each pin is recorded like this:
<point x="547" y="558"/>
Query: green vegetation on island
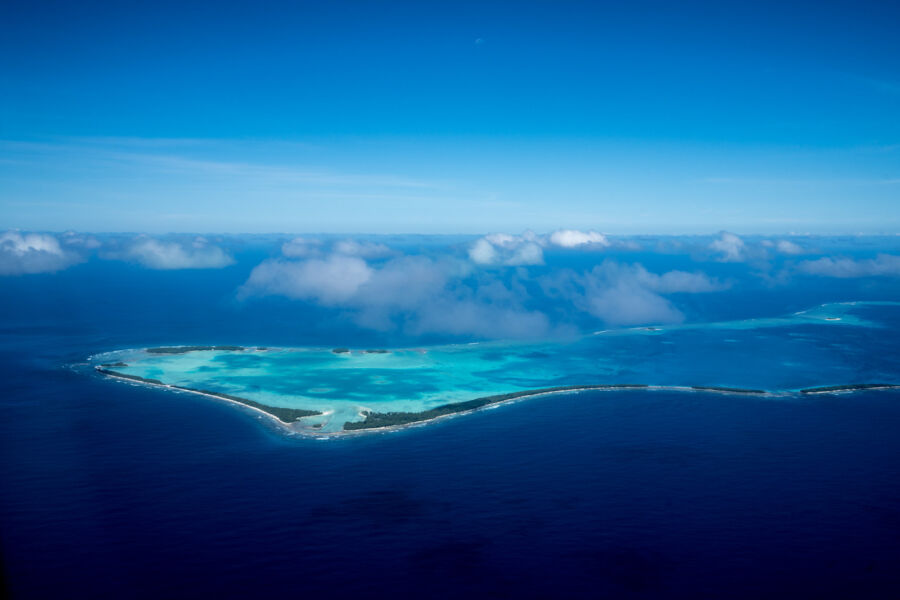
<point x="376" y="420"/>
<point x="186" y="349"/>
<point x="848" y="388"/>
<point x="115" y="364"/>
<point x="287" y="415"/>
<point x="725" y="390"/>
<point x="127" y="376"/>
<point x="341" y="350"/>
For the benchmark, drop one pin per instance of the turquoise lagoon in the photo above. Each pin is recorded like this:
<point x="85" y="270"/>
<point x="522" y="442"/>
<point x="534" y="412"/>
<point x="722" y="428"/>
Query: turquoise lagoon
<point x="833" y="344"/>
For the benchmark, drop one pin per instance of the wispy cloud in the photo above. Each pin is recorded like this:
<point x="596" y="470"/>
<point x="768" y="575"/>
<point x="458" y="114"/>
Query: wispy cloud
<point x="280" y="174"/>
<point x="802" y="181"/>
<point x="623" y="294"/>
<point x="162" y="155"/>
<point x="145" y="185"/>
<point x="881" y="265"/>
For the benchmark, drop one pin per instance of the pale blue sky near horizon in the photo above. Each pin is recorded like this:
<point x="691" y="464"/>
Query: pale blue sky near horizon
<point x="450" y="118"/>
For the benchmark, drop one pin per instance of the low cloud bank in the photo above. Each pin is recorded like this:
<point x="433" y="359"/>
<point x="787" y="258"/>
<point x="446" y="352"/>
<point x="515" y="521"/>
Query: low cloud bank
<point x="881" y="265"/>
<point x="309" y="247"/>
<point x="362" y="249"/>
<point x="22" y="253"/>
<point x="417" y="294"/>
<point x="622" y="294"/>
<point x="787" y="247"/>
<point x="171" y="255"/>
<point x="759" y="253"/>
<point x="453" y="295"/>
<point x="37" y="252"/>
<point x="301" y="247"/>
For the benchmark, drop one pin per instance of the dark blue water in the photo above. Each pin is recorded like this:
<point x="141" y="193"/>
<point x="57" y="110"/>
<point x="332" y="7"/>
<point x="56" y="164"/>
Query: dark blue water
<point x="115" y="491"/>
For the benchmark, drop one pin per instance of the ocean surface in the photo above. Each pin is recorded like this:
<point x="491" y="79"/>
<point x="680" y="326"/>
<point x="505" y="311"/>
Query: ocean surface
<point x="112" y="490"/>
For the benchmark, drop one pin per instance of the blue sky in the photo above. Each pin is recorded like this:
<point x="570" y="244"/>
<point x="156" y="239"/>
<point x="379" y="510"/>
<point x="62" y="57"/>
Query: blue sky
<point x="450" y="117"/>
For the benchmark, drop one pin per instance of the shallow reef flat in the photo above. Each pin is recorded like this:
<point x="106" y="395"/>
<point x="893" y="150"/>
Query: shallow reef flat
<point x="833" y="348"/>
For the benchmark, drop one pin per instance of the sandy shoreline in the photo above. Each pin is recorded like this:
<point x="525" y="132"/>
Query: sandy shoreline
<point x="136" y="381"/>
<point x="309" y="431"/>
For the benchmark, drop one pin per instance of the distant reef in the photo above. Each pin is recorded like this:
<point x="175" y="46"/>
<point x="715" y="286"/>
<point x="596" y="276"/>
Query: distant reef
<point x="186" y="349"/>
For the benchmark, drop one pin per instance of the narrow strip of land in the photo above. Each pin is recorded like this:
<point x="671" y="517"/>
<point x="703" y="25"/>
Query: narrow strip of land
<point x="376" y="420"/>
<point x="285" y="415"/>
<point x="852" y="387"/>
<point x="392" y="420"/>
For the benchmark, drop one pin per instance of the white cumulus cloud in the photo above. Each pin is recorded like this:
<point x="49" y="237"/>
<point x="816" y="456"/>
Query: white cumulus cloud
<point x="170" y="255"/>
<point x="330" y="281"/>
<point x="508" y="250"/>
<point x="504" y="249"/>
<point x="572" y="238"/>
<point x="730" y="246"/>
<point x="33" y="253"/>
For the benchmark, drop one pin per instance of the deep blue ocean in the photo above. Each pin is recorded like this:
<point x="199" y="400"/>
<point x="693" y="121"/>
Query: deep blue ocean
<point x="118" y="491"/>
